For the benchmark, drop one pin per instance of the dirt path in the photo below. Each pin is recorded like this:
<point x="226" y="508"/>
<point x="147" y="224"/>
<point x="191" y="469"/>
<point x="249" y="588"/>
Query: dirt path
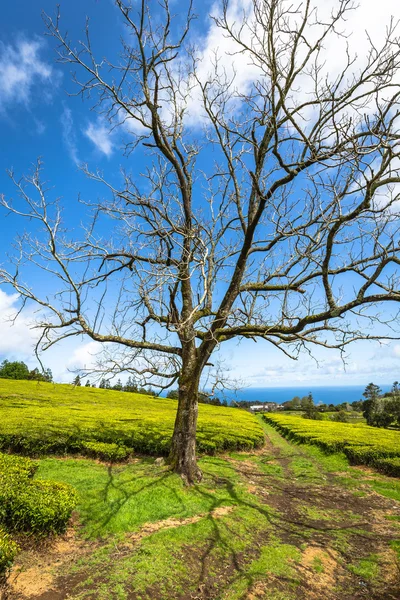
<point x="291" y="528"/>
<point x="338" y="525"/>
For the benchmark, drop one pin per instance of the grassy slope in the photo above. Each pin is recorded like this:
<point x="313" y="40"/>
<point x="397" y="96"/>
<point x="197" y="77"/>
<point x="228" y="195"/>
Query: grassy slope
<point x="54" y="416"/>
<point x="287" y="522"/>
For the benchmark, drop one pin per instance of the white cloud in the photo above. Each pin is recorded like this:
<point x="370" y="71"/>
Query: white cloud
<point x="17" y="338"/>
<point x="231" y="63"/>
<point x="305" y="371"/>
<point x="84" y="356"/>
<point x="21" y="68"/>
<point x="262" y="365"/>
<point x="40" y="127"/>
<point x="99" y="133"/>
<point x="69" y="135"/>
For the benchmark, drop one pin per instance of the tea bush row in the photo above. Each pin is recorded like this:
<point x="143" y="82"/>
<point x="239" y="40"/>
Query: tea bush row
<point x="43" y="418"/>
<point x="29" y="505"/>
<point x="362" y="444"/>
<point x="107" y="452"/>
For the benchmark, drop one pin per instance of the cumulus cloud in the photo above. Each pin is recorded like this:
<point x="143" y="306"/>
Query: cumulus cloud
<point x="305" y="372"/>
<point x="17" y="338"/>
<point x="21" y="69"/>
<point x="267" y="366"/>
<point x="99" y="133"/>
<point x="220" y="55"/>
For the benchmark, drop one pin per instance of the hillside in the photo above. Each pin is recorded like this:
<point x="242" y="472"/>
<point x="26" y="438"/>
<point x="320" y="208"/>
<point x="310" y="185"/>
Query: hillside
<point x="40" y="418"/>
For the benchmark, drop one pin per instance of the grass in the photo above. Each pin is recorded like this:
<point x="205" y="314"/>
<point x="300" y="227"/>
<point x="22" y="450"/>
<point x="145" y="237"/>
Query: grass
<point x="311" y="464"/>
<point x="275" y="522"/>
<point x="162" y="559"/>
<point x="388" y="488"/>
<point x="275" y="559"/>
<point x="117" y="501"/>
<point x="250" y="529"/>
<point x="318" y="565"/>
<point x="120" y="498"/>
<point x="361" y="444"/>
<point x="366" y="568"/>
<point x="43" y="418"/>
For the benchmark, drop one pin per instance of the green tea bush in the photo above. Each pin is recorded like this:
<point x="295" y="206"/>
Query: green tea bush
<point x="32" y="505"/>
<point x="17" y="466"/>
<point x="42" y="418"/>
<point x="40" y="507"/>
<point x="362" y="444"/>
<point x="389" y="466"/>
<point x="29" y="505"/>
<point x="8" y="551"/>
<point x="104" y="451"/>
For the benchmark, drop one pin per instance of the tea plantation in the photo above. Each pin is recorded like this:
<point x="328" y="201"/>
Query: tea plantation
<point x="45" y="418"/>
<point x="271" y="522"/>
<point x="363" y="445"/>
<point x="37" y="419"/>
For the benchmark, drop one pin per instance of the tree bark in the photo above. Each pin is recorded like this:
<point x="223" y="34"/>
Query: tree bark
<point x="183" y="448"/>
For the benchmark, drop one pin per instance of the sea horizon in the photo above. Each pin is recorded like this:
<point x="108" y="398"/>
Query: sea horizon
<point x="322" y="394"/>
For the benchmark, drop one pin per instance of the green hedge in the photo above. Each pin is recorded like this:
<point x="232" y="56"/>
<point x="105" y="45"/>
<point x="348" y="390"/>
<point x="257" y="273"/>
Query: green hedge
<point x="42" y="418"/>
<point x="29" y="505"/>
<point x="104" y="451"/>
<point x="389" y="466"/>
<point x="362" y="444"/>
<point x="17" y="466"/>
<point x="8" y="551"/>
<point x="39" y="507"/>
<point x="32" y="505"/>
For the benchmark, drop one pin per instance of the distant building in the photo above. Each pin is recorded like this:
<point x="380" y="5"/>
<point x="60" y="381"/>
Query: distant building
<point x="266" y="407"/>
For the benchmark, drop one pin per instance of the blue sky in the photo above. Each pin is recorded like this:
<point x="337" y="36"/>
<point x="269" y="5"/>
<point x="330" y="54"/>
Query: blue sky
<point x="38" y="118"/>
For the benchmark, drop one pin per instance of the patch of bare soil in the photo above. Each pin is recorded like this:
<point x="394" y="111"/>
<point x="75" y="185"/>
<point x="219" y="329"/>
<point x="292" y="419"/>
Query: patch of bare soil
<point x="37" y="569"/>
<point x="150" y="528"/>
<point x="320" y="570"/>
<point x="390" y="566"/>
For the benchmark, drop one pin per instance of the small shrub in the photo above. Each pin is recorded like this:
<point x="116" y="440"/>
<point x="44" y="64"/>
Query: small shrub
<point x="39" y="506"/>
<point x="104" y="451"/>
<point x="314" y="415"/>
<point x="8" y="551"/>
<point x="32" y="505"/>
<point x="340" y="417"/>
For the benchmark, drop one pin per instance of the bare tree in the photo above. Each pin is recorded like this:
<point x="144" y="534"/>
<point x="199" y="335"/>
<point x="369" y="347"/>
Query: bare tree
<point x="267" y="211"/>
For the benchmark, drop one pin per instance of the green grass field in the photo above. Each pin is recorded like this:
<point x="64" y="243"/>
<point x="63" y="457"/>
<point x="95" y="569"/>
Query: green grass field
<point x="378" y="448"/>
<point x="45" y="418"/>
<point x="286" y="522"/>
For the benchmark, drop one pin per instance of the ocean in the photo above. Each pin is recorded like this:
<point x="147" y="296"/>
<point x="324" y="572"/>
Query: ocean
<point x="321" y="394"/>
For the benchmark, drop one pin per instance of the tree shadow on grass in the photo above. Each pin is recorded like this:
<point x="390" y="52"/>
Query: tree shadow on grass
<point x="119" y="492"/>
<point x="222" y="551"/>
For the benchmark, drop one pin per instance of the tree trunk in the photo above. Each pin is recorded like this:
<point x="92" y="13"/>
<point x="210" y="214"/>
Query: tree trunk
<point x="183" y="448"/>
